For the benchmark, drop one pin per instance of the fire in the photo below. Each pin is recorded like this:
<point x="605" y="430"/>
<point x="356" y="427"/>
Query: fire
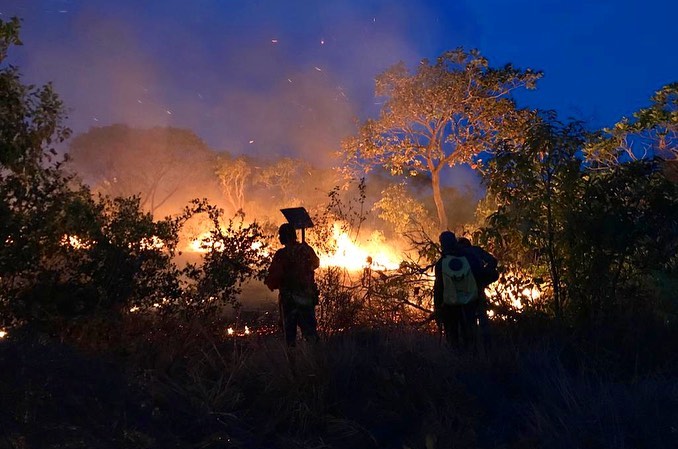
<point x="203" y="242"/>
<point x="3" y="334"/>
<point x="374" y="254"/>
<point x="246" y="332"/>
<point x="515" y="295"/>
<point x="75" y="242"/>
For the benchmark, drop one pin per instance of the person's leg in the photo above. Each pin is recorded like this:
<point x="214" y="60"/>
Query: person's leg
<point x="451" y="316"/>
<point x="468" y="323"/>
<point x="308" y="324"/>
<point x="290" y="323"/>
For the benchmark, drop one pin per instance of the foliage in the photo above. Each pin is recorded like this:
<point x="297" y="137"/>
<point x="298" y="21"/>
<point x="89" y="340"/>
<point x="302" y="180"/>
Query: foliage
<point x="445" y="113"/>
<point x="67" y="254"/>
<point x="652" y="132"/>
<point x="122" y="161"/>
<point x="182" y="386"/>
<point x="535" y="185"/>
<point x="285" y="179"/>
<point x="624" y="228"/>
<point x="588" y="237"/>
<point x="399" y="208"/>
<point x="234" y="175"/>
<point x="236" y="252"/>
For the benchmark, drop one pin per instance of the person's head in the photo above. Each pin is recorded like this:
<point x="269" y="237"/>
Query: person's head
<point x="287" y="234"/>
<point x="448" y="241"/>
<point x="463" y="241"/>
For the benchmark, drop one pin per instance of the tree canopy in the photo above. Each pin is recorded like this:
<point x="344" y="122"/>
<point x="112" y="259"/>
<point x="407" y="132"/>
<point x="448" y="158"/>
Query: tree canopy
<point x="441" y="114"/>
<point x="121" y="161"/>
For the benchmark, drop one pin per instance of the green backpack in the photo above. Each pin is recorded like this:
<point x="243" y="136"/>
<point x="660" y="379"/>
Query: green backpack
<point x="459" y="285"/>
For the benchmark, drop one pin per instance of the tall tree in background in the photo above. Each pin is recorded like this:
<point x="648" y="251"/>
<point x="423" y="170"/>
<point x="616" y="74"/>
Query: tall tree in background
<point x="233" y="174"/>
<point x="652" y="132"/>
<point x="443" y="114"/>
<point x="122" y="161"/>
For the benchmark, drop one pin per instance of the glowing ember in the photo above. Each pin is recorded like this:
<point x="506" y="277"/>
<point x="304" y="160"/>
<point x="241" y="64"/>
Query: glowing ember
<point x="75" y="242"/>
<point x="3" y="334"/>
<point x="374" y="254"/>
<point x="153" y="243"/>
<point x="246" y="332"/>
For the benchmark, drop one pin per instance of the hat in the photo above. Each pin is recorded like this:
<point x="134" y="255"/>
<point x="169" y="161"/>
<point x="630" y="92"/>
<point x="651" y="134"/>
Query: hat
<point x="447" y="241"/>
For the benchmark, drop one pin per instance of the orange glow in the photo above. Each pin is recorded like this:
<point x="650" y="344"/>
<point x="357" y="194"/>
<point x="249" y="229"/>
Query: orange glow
<point x="203" y="243"/>
<point x="3" y="334"/>
<point x="75" y="242"/>
<point x="374" y="253"/>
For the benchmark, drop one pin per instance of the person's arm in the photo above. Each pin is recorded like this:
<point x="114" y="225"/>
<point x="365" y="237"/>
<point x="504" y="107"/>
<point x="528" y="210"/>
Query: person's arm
<point x="311" y="256"/>
<point x="275" y="272"/>
<point x="488" y="259"/>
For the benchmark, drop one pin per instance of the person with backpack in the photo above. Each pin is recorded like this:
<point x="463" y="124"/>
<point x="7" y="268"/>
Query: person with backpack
<point x="455" y="292"/>
<point x="485" y="273"/>
<point x="292" y="273"/>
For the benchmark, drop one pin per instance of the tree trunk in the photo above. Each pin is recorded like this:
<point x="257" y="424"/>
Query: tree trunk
<point x="438" y="199"/>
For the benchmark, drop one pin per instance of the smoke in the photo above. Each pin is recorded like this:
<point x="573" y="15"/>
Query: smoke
<point x="263" y="78"/>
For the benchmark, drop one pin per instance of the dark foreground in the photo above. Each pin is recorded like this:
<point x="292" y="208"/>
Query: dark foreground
<point x="365" y="389"/>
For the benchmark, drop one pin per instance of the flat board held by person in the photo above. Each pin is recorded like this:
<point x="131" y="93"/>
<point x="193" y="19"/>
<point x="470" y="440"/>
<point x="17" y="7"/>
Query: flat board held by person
<point x="292" y="273"/>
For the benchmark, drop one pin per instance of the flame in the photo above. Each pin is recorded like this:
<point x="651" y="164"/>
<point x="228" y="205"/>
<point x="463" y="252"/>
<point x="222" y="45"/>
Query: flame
<point x="151" y="243"/>
<point x="3" y="334"/>
<point x="75" y="242"/>
<point x="203" y="242"/>
<point x="513" y="293"/>
<point x="348" y="254"/>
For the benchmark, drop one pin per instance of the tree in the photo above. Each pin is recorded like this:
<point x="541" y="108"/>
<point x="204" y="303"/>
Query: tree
<point x="536" y="185"/>
<point x="233" y="175"/>
<point x="287" y="177"/>
<point x="152" y="163"/>
<point x="443" y="114"/>
<point x="652" y="132"/>
<point x="31" y="118"/>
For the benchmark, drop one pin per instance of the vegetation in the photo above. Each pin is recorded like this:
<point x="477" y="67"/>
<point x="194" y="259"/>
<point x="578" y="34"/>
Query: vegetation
<point x="443" y="114"/>
<point x="115" y="342"/>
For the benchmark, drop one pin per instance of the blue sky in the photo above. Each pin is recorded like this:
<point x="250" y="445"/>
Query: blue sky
<point x="290" y="77"/>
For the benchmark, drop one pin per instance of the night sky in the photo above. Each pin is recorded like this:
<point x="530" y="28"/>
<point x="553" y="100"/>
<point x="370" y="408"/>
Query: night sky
<point x="290" y="77"/>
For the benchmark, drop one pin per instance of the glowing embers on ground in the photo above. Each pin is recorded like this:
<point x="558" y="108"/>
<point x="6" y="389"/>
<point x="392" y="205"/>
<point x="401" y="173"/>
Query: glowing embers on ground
<point x="374" y="253"/>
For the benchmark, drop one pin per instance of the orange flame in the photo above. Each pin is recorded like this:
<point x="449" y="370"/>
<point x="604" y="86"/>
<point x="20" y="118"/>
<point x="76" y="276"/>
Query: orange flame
<point x="348" y="254"/>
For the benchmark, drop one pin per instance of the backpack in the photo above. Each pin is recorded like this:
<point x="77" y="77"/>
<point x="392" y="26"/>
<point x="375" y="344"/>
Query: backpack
<point x="459" y="285"/>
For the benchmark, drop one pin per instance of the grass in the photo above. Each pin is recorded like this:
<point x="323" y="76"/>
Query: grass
<point x="362" y="389"/>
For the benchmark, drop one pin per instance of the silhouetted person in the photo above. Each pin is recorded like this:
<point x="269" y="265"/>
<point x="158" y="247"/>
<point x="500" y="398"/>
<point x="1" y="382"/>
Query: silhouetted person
<point x="292" y="273"/>
<point x="455" y="292"/>
<point x="485" y="273"/>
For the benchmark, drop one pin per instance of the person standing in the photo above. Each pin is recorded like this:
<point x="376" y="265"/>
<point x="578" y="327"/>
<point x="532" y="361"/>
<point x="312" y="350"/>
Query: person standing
<point x="485" y="273"/>
<point x="292" y="273"/>
<point x="455" y="292"/>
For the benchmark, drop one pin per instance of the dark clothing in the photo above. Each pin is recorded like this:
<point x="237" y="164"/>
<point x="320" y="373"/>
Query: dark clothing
<point x="455" y="319"/>
<point x="482" y="262"/>
<point x="304" y="318"/>
<point x="459" y="320"/>
<point x="292" y="273"/>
